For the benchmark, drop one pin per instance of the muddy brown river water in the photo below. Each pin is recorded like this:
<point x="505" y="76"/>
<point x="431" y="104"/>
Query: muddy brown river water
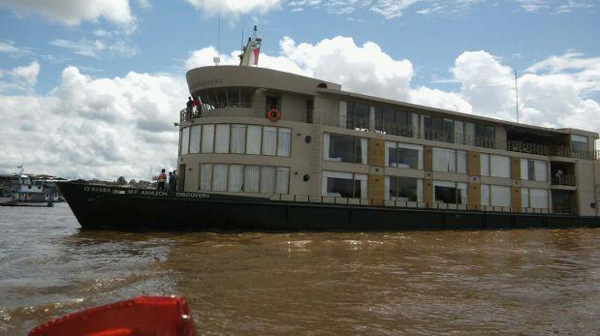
<point x="526" y="282"/>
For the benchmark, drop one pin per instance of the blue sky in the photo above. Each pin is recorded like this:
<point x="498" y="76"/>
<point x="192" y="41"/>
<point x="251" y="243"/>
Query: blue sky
<point x="456" y="54"/>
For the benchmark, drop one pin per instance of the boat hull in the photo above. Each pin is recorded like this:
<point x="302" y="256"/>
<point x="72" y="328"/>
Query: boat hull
<point x="102" y="207"/>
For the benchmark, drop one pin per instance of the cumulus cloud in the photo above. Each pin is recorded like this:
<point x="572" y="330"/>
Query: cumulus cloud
<point x="234" y="7"/>
<point x="90" y="127"/>
<point x="73" y="12"/>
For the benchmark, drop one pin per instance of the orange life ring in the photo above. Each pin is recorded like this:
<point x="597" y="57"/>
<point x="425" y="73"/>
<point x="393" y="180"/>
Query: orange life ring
<point x="273" y="115"/>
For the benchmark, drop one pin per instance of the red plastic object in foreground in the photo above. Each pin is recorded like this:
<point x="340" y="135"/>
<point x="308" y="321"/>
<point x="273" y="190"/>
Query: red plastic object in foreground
<point x="144" y="315"/>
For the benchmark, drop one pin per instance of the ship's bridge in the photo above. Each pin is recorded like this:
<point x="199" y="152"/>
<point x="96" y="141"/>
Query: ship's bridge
<point x="251" y="92"/>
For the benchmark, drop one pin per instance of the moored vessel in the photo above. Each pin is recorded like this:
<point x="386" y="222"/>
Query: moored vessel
<point x="267" y="150"/>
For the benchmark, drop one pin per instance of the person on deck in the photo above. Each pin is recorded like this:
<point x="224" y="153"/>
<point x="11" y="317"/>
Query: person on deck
<point x="173" y="182"/>
<point x="162" y="179"/>
<point x="190" y="107"/>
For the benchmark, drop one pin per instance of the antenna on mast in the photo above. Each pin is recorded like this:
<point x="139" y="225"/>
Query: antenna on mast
<point x="517" y="94"/>
<point x="217" y="59"/>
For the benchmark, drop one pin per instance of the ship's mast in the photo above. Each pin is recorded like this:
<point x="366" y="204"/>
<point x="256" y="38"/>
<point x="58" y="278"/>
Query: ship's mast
<point x="251" y="51"/>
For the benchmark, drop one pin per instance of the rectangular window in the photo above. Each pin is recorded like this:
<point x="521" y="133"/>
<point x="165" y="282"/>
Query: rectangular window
<point x="236" y="178"/>
<point x="485" y="164"/>
<point x="444" y="160"/>
<point x="437" y="128"/>
<point x="469" y="134"/>
<point x="185" y="141"/>
<point x="525" y="197"/>
<point x="524" y="169"/>
<point x="426" y="124"/>
<point x="251" y="179"/>
<point x="541" y="171"/>
<point x="222" y="138"/>
<point x="445" y="192"/>
<point x="448" y="130"/>
<point x="461" y="162"/>
<point x="195" y="139"/>
<point x="579" y="143"/>
<point x="344" y="185"/>
<point x="538" y="198"/>
<point x="343" y="114"/>
<point x="359" y="118"/>
<point x="409" y="156"/>
<point x="208" y="138"/>
<point x="485" y="194"/>
<point x="459" y="134"/>
<point x="404" y="189"/>
<point x="253" y="141"/>
<point x="238" y="139"/>
<point x="206" y="177"/>
<point x="219" y="177"/>
<point x="267" y="180"/>
<point x="500" y="195"/>
<point x="499" y="166"/>
<point x="269" y="141"/>
<point x="282" y="180"/>
<point x="343" y="148"/>
<point x="284" y="141"/>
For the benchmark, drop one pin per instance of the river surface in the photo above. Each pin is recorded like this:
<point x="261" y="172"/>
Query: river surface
<point x="527" y="282"/>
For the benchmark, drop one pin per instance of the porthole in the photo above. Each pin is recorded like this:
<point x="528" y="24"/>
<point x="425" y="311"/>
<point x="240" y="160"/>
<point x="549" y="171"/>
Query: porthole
<point x="306" y="177"/>
<point x="308" y="139"/>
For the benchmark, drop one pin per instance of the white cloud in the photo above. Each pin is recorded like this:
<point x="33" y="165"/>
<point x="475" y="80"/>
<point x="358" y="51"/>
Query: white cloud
<point x="110" y="43"/>
<point x="27" y="74"/>
<point x="234" y="7"/>
<point x="20" y="79"/>
<point x="94" y="127"/>
<point x="106" y="127"/>
<point x="72" y="12"/>
<point x="9" y="48"/>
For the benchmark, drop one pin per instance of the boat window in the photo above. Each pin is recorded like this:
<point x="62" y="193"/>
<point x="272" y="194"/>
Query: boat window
<point x="282" y="180"/>
<point x="404" y="189"/>
<point x="400" y="155"/>
<point x="225" y="98"/>
<point x="534" y="170"/>
<point x="238" y="139"/>
<point x="347" y="185"/>
<point x="267" y="180"/>
<point x="236" y="178"/>
<point x="500" y="195"/>
<point x="495" y="165"/>
<point x="253" y="142"/>
<point x="208" y="138"/>
<point x="219" y="177"/>
<point x="499" y="166"/>
<point x="249" y="179"/>
<point x="357" y="116"/>
<point x="195" y="139"/>
<point x="345" y="148"/>
<point x="450" y="192"/>
<point x="222" y="138"/>
<point x="269" y="141"/>
<point x="205" y="177"/>
<point x="444" y="160"/>
<point x="284" y="141"/>
<point x="185" y="141"/>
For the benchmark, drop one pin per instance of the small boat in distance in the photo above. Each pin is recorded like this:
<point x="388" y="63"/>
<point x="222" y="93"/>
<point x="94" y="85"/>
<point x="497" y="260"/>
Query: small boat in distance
<point x="29" y="190"/>
<point x="264" y="150"/>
